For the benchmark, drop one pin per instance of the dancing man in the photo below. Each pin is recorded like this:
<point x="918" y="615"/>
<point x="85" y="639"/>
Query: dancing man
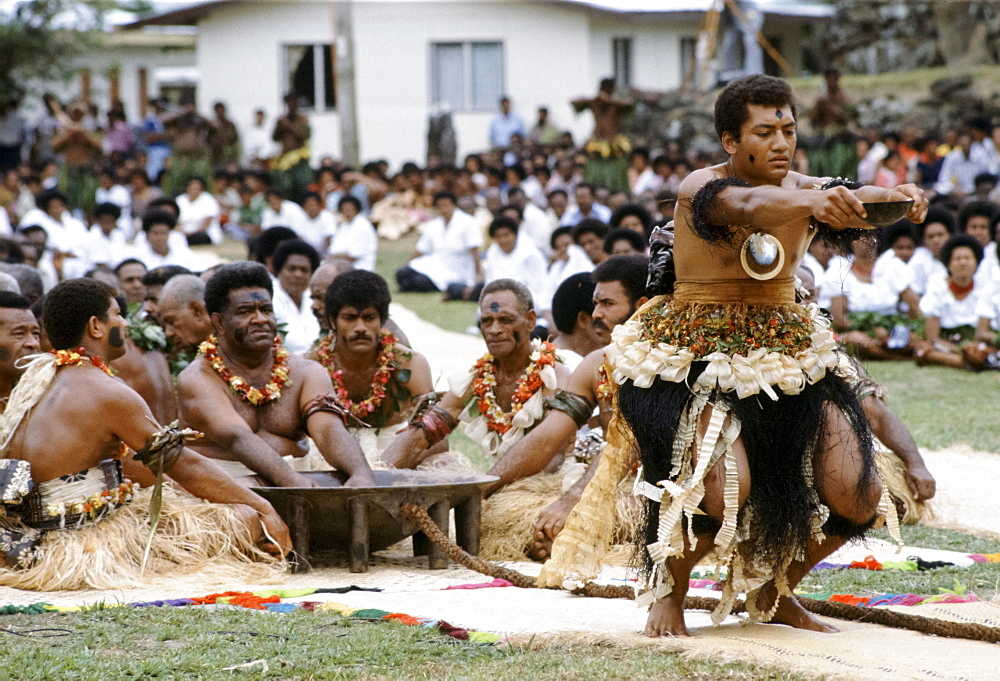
<point x="752" y="441"/>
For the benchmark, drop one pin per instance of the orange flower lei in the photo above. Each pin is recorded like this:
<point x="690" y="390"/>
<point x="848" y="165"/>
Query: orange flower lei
<point x="484" y="388"/>
<point x="255" y="396"/>
<point x="604" y="387"/>
<point x="383" y="373"/>
<point x="71" y="358"/>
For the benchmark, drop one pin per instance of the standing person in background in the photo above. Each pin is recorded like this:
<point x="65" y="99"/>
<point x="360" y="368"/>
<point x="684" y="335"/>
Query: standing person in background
<point x="290" y="170"/>
<point x="189" y="134"/>
<point x="156" y="138"/>
<point x="224" y="140"/>
<point x="79" y="148"/>
<point x="608" y="149"/>
<point x="543" y="132"/>
<point x="13" y="135"/>
<point x="836" y="154"/>
<point x="504" y="125"/>
<point x="259" y="147"/>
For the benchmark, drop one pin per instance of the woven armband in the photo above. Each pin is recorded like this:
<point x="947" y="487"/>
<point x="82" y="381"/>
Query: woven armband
<point x="164" y="447"/>
<point x="436" y="423"/>
<point x="701" y="204"/>
<point x="329" y="404"/>
<point x="571" y="404"/>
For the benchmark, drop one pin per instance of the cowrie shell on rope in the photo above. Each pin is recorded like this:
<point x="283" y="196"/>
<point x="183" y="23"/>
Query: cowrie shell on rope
<point x="767" y="256"/>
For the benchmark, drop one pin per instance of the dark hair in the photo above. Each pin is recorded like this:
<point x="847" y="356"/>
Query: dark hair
<point x="13" y="301"/>
<point x="558" y="232"/>
<point x="107" y="209"/>
<point x="232" y="276"/>
<point x="199" y="179"/>
<point x="443" y="195"/>
<point x="163" y="201"/>
<point x="11" y="251"/>
<point x="502" y="222"/>
<point x="291" y="247"/>
<point x="70" y="306"/>
<point x="634" y="238"/>
<point x="520" y="291"/>
<point x="557" y="191"/>
<point x="510" y="206"/>
<point x="940" y="215"/>
<point x="629" y="270"/>
<point x="731" y="107"/>
<point x="312" y="195"/>
<point x="904" y="229"/>
<point x="268" y="241"/>
<point x="977" y="209"/>
<point x="159" y="276"/>
<point x="44" y="198"/>
<point x="959" y="241"/>
<point x="128" y="261"/>
<point x="586" y="185"/>
<point x="590" y="226"/>
<point x="574" y="295"/>
<point x="635" y="209"/>
<point x="158" y="217"/>
<point x="353" y="200"/>
<point x="519" y="169"/>
<point x="359" y="289"/>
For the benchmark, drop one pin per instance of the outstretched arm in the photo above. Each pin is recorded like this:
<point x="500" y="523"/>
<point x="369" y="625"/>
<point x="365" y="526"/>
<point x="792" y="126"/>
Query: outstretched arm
<point x="891" y="430"/>
<point x="410" y="446"/>
<point x="205" y="407"/>
<point x="328" y="431"/>
<point x="195" y="473"/>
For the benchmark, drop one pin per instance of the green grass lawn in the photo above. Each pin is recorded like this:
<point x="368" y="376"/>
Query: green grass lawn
<point x="175" y="643"/>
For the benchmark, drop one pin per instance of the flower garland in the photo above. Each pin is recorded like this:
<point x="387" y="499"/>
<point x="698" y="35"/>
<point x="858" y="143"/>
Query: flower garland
<point x="385" y="365"/>
<point x="484" y="383"/>
<point x="69" y="358"/>
<point x="256" y="397"/>
<point x="93" y="506"/>
<point x="605" y="388"/>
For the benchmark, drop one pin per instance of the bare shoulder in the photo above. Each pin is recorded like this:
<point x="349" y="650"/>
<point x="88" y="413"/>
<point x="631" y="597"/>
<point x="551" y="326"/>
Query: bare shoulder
<point x="405" y="355"/>
<point x="698" y="179"/>
<point x="589" y="364"/>
<point x="195" y="375"/>
<point x="103" y="392"/>
<point x="301" y="368"/>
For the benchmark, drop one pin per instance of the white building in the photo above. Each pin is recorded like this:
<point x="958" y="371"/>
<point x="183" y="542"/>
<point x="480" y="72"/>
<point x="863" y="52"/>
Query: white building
<point x="415" y="57"/>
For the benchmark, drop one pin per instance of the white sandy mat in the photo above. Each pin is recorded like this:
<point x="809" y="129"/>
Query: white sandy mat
<point x="968" y="491"/>
<point x="544" y="617"/>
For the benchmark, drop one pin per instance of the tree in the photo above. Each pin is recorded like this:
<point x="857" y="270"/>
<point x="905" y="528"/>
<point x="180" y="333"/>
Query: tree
<point x="39" y="39"/>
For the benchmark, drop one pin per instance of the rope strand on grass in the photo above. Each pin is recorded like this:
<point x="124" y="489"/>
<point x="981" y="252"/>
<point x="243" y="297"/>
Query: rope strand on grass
<point x="889" y="618"/>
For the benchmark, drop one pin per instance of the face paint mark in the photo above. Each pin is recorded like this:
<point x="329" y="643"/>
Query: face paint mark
<point x="779" y="113"/>
<point x="517" y="337"/>
<point x="752" y="159"/>
<point x="5" y="354"/>
<point x="115" y="337"/>
<point x="240" y="335"/>
<point x="257" y="297"/>
<point x="494" y="307"/>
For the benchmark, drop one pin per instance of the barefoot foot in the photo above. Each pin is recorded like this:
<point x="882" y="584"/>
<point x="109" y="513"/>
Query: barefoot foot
<point x="540" y="547"/>
<point x="791" y="612"/>
<point x="666" y="617"/>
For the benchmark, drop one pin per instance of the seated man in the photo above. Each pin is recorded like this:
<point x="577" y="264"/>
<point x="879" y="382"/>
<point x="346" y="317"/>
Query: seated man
<point x="320" y="282"/>
<point x="375" y="377"/>
<point x="20" y="337"/>
<point x="572" y="310"/>
<point x="618" y="293"/>
<point x="75" y="450"/>
<point x="503" y="397"/>
<point x="254" y="401"/>
<point x="182" y="311"/>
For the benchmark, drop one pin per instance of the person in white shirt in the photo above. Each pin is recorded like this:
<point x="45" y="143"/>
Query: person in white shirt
<point x="280" y="212"/>
<point x="959" y="170"/>
<point x="294" y="263"/>
<point x="566" y="260"/>
<point x="512" y="256"/>
<point x="259" y="147"/>
<point x="535" y="224"/>
<point x="318" y="223"/>
<point x="109" y="191"/>
<point x="950" y="305"/>
<point x="447" y="251"/>
<point x="586" y="207"/>
<point x="105" y="243"/>
<point x="932" y="234"/>
<point x="978" y="219"/>
<point x="160" y="243"/>
<point x="199" y="214"/>
<point x="641" y="176"/>
<point x="65" y="233"/>
<point x="354" y="238"/>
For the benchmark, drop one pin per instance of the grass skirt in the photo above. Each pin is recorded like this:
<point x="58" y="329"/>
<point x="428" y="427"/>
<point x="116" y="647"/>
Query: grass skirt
<point x="195" y="539"/>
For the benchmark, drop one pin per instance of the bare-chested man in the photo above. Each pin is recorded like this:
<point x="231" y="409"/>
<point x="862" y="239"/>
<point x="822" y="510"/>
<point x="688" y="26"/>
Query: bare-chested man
<point x="502" y="398"/>
<point x="80" y="148"/>
<point x="290" y="171"/>
<point x="48" y="425"/>
<point x="374" y="375"/>
<point x="712" y="380"/>
<point x="320" y="282"/>
<point x="20" y="336"/>
<point x="608" y="150"/>
<point x="253" y="400"/>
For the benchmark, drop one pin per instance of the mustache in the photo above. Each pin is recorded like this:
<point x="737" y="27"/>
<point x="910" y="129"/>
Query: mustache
<point x="599" y="325"/>
<point x="360" y="336"/>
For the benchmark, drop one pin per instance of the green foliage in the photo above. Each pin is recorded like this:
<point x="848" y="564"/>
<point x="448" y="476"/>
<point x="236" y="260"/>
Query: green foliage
<point x="39" y="39"/>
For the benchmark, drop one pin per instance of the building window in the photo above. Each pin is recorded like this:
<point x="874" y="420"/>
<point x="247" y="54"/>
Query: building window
<point x="621" y="61"/>
<point x="467" y="76"/>
<point x="310" y="73"/>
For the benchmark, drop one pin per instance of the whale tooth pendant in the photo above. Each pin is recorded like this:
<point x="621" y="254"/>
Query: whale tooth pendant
<point x="766" y="256"/>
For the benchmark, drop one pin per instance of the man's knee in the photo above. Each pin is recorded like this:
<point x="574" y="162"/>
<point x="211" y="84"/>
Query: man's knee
<point x="852" y="514"/>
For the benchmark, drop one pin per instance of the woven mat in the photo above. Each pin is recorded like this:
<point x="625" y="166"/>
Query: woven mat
<point x="543" y="617"/>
